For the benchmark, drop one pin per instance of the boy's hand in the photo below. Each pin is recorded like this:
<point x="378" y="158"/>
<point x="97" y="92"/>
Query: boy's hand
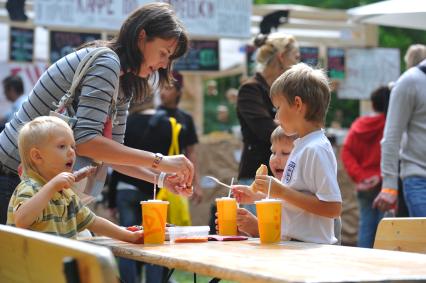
<point x="244" y="195"/>
<point x="247" y="222"/>
<point x="262" y="184"/>
<point x="62" y="181"/>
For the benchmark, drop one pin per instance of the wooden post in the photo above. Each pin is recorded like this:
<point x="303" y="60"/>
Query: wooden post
<point x="193" y="98"/>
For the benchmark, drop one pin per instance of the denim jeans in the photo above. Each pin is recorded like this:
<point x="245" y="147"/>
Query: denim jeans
<point x="369" y="218"/>
<point x="415" y="195"/>
<point x="130" y="213"/>
<point x="8" y="184"/>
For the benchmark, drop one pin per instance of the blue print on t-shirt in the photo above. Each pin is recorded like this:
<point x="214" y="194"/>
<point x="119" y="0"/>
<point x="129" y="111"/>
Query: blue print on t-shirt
<point x="289" y="172"/>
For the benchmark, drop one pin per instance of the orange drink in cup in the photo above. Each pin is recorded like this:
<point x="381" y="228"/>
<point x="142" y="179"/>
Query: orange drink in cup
<point x="154" y="215"/>
<point x="227" y="216"/>
<point x="269" y="220"/>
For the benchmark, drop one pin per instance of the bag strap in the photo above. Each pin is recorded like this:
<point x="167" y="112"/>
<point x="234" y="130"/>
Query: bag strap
<point x="423" y="68"/>
<point x="80" y="72"/>
<point x="176" y="127"/>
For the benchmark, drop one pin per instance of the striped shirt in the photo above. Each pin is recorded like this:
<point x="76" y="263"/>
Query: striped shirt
<point x="64" y="215"/>
<point x="93" y="99"/>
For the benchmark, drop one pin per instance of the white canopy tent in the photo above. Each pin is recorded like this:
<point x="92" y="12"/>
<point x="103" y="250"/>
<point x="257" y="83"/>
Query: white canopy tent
<point x="395" y="13"/>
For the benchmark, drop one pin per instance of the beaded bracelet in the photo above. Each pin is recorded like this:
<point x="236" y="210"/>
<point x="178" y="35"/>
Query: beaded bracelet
<point x="161" y="179"/>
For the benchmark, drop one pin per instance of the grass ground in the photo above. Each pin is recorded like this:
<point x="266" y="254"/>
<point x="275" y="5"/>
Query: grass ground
<point x="180" y="276"/>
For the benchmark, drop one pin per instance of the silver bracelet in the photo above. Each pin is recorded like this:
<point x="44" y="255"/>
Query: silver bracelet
<point x="161" y="178"/>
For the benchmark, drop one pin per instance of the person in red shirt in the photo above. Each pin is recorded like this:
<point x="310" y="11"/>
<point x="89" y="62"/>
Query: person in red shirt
<point x="361" y="158"/>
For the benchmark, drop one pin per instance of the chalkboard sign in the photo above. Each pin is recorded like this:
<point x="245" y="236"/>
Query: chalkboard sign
<point x="367" y="69"/>
<point x="21" y="44"/>
<point x="203" y="55"/>
<point x="336" y="63"/>
<point x="309" y="55"/>
<point x="63" y="43"/>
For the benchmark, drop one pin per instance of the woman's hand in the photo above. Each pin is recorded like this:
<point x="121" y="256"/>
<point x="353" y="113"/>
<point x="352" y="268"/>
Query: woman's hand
<point x="247" y="222"/>
<point x="176" y="185"/>
<point x="180" y="165"/>
<point x="244" y="195"/>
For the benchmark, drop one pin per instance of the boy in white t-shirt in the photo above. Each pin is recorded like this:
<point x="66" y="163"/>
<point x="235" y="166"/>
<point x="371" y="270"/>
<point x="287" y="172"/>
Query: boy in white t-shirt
<point x="309" y="189"/>
<point x="281" y="146"/>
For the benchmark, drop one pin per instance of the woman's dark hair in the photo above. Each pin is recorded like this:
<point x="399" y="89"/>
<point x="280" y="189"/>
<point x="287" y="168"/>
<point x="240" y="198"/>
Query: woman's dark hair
<point x="380" y="99"/>
<point x="158" y="20"/>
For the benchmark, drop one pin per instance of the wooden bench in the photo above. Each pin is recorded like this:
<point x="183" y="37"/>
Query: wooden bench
<point x="402" y="234"/>
<point x="28" y="256"/>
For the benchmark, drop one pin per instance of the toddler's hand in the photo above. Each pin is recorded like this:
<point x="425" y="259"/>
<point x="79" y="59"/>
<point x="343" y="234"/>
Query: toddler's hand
<point x="244" y="195"/>
<point x="247" y="222"/>
<point x="250" y="226"/>
<point x="136" y="237"/>
<point x="62" y="181"/>
<point x="216" y="226"/>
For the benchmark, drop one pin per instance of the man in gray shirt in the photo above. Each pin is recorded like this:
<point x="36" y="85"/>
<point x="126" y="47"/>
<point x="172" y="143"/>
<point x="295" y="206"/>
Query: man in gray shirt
<point x="404" y="139"/>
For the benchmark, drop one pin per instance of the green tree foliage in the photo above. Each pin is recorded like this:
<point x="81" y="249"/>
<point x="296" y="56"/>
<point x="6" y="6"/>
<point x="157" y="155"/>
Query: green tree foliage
<point x="388" y="37"/>
<point x="219" y="99"/>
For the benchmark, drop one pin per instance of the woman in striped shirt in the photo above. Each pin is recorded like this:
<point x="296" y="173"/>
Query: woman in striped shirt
<point x="150" y="39"/>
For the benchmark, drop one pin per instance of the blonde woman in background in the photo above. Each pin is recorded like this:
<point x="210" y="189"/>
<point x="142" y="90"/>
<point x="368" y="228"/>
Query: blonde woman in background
<point x="255" y="111"/>
<point x="414" y="55"/>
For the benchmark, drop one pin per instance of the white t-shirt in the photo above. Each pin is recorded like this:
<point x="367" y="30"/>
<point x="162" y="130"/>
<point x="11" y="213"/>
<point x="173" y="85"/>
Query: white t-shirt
<point x="312" y="169"/>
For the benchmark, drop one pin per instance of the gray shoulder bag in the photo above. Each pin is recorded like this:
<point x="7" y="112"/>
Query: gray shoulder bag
<point x="91" y="187"/>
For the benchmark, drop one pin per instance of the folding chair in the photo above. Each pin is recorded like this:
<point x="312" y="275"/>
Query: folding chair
<point x="402" y="234"/>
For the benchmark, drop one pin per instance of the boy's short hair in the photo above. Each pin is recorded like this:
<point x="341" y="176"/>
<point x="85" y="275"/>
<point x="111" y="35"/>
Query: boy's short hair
<point x="278" y="134"/>
<point x="311" y="85"/>
<point x="35" y="133"/>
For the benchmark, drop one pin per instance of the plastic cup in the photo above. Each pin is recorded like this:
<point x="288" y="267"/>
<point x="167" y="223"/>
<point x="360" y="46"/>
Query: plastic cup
<point x="154" y="215"/>
<point x="269" y="220"/>
<point x="227" y="216"/>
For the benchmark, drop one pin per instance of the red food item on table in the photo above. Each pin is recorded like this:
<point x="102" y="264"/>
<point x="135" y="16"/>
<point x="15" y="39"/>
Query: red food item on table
<point x="134" y="228"/>
<point x="194" y="239"/>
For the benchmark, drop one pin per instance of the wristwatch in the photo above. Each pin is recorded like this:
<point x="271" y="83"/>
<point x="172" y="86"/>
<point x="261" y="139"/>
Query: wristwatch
<point x="157" y="159"/>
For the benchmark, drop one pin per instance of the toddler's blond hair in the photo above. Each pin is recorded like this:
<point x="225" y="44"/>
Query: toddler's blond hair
<point x="278" y="135"/>
<point x="34" y="134"/>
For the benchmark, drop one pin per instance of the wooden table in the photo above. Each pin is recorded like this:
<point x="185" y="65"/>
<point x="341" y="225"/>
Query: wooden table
<point x="249" y="261"/>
